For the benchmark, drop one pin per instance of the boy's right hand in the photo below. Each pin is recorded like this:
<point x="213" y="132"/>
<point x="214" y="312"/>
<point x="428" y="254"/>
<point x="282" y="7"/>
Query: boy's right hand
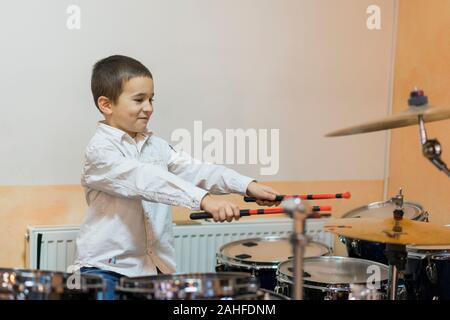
<point x="220" y="209"/>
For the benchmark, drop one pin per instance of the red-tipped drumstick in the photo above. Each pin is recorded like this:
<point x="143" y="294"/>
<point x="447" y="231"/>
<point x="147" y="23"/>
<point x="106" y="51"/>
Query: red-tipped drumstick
<point x="249" y="212"/>
<point x="345" y="195"/>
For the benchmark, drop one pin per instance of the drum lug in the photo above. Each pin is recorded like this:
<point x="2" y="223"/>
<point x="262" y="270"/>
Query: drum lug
<point x="332" y="294"/>
<point x="431" y="272"/>
<point x="343" y="239"/>
<point x="329" y="296"/>
<point x="426" y="215"/>
<point x="355" y="246"/>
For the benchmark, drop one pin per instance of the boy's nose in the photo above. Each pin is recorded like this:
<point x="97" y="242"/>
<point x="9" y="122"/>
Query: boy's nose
<point x="148" y="108"/>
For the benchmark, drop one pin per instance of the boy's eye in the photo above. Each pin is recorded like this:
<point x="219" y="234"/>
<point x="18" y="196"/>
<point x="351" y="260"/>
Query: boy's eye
<point x="138" y="100"/>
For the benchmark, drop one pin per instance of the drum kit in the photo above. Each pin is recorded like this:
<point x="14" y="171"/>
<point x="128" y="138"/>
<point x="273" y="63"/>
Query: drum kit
<point x="393" y="253"/>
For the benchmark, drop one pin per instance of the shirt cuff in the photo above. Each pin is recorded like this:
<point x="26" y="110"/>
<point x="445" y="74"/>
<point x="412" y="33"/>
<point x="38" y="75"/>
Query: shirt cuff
<point x="197" y="196"/>
<point x="241" y="184"/>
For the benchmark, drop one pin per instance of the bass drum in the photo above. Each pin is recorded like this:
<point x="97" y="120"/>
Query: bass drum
<point x="260" y="257"/>
<point x="427" y="275"/>
<point x="374" y="251"/>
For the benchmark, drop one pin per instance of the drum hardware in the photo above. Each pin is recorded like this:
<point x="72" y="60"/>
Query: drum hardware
<point x="431" y="271"/>
<point x="299" y="212"/>
<point x="418" y="112"/>
<point x="299" y="240"/>
<point x="361" y="292"/>
<point x="426" y="216"/>
<point x="396" y="253"/>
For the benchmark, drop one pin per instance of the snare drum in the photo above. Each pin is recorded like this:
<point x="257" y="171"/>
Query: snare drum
<point x="261" y="256"/>
<point x="374" y="250"/>
<point x="427" y="274"/>
<point x="18" y="284"/>
<point x="191" y="286"/>
<point x="331" y="278"/>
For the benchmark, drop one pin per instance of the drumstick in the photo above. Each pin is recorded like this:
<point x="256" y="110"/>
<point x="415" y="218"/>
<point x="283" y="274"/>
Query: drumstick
<point x="249" y="212"/>
<point x="345" y="195"/>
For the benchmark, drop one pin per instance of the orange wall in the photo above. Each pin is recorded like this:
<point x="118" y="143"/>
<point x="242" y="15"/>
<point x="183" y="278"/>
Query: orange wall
<point x="21" y="206"/>
<point x="423" y="60"/>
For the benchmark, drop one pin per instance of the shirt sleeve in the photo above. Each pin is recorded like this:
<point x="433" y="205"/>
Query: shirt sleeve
<point x="215" y="178"/>
<point x="108" y="170"/>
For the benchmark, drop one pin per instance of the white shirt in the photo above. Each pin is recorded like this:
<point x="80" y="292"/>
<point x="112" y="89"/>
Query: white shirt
<point x="130" y="185"/>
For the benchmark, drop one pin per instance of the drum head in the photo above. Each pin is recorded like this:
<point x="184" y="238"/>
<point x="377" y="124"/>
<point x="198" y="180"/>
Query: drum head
<point x="412" y="211"/>
<point x="267" y="250"/>
<point x="334" y="270"/>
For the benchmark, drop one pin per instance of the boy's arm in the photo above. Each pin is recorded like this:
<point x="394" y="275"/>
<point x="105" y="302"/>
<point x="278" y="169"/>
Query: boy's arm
<point x="107" y="170"/>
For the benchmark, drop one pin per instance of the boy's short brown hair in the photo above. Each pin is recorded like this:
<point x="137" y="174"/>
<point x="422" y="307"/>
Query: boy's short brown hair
<point x="109" y="75"/>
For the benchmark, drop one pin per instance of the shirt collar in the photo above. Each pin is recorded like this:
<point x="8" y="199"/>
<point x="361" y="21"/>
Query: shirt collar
<point x="119" y="134"/>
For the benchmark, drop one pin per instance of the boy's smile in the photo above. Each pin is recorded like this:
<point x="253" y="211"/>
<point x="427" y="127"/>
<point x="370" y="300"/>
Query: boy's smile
<point x="132" y="110"/>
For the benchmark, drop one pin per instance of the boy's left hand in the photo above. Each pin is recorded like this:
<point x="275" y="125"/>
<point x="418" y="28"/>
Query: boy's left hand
<point x="264" y="195"/>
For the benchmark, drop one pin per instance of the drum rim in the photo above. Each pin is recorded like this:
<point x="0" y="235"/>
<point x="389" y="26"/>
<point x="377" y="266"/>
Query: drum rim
<point x="443" y="256"/>
<point x="380" y="204"/>
<point x="225" y="284"/>
<point x="279" y="295"/>
<point x="50" y="276"/>
<point x="252" y="265"/>
<point x="283" y="277"/>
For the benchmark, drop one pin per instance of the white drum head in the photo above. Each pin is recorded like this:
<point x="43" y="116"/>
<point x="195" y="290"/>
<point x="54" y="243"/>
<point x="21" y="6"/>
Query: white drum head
<point x="267" y="250"/>
<point x="335" y="270"/>
<point x="412" y="211"/>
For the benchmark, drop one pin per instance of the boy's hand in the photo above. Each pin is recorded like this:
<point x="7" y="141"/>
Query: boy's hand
<point x="264" y="195"/>
<point x="220" y="209"/>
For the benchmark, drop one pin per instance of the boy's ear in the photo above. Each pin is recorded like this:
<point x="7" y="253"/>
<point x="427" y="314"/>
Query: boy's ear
<point x="104" y="104"/>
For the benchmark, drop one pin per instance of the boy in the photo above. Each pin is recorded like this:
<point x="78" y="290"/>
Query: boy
<point x="131" y="178"/>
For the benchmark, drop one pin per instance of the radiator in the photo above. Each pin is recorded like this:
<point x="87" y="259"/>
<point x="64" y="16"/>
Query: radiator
<point x="53" y="247"/>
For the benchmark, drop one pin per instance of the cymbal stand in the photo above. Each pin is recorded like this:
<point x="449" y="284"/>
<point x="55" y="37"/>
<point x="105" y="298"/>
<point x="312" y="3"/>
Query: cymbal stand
<point x="297" y="211"/>
<point x="396" y="253"/>
<point x="431" y="148"/>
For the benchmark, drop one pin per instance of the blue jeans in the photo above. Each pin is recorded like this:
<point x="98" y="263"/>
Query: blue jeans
<point x="111" y="280"/>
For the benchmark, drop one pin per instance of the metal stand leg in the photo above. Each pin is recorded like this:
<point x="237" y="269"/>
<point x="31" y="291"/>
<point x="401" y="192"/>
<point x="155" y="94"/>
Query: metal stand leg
<point x="297" y="210"/>
<point x="299" y="243"/>
<point x="396" y="255"/>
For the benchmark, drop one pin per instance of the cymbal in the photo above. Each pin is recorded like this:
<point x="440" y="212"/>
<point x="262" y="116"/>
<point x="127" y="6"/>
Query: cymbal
<point x="406" y="118"/>
<point x="381" y="230"/>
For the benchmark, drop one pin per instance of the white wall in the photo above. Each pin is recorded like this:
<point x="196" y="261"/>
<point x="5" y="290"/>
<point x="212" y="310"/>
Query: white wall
<point x="304" y="66"/>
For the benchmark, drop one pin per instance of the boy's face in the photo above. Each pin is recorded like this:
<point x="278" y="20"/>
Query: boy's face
<point x="133" y="108"/>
